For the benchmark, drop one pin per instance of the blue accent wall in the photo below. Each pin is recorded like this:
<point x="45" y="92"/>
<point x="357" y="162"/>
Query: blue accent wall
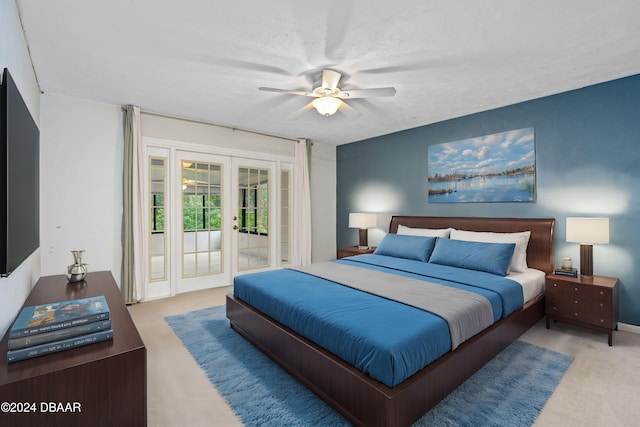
<point x="588" y="164"/>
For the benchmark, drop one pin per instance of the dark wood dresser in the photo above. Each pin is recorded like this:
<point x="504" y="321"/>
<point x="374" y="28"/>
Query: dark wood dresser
<point x="589" y="302"/>
<point x="102" y="384"/>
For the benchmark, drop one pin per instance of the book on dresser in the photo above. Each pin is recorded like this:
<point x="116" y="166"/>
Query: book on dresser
<point x="54" y="316"/>
<point x="58" y="326"/>
<point x="61" y="345"/>
<point x="58" y="334"/>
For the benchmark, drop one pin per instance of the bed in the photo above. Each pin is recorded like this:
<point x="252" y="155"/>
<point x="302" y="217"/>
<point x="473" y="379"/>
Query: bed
<point x="365" y="400"/>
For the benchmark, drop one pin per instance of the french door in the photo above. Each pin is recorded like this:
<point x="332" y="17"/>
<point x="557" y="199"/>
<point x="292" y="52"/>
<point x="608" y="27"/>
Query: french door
<point x="202" y="221"/>
<point x="254" y="215"/>
<point x="212" y="217"/>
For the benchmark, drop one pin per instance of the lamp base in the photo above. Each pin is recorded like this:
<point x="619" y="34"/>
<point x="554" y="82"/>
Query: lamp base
<point x="364" y="244"/>
<point x="586" y="260"/>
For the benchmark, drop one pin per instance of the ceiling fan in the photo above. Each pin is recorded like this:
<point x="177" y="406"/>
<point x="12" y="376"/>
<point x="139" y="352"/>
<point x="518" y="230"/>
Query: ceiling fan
<point x="329" y="98"/>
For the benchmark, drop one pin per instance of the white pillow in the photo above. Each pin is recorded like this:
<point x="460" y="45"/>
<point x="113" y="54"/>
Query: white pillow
<point x="427" y="232"/>
<point x="519" y="259"/>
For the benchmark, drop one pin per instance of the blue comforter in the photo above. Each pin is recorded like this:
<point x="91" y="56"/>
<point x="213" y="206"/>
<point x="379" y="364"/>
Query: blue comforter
<point x="385" y="339"/>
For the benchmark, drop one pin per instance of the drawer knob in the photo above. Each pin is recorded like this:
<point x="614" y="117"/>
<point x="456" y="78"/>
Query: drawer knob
<point x="575" y="289"/>
<point x="601" y="320"/>
<point x="601" y="305"/>
<point x="555" y="285"/>
<point x="575" y="302"/>
<point x="601" y="292"/>
<point x="575" y="314"/>
<point x="555" y="308"/>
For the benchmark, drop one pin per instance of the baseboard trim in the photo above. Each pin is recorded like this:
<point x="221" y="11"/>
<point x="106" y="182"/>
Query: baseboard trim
<point x="629" y="328"/>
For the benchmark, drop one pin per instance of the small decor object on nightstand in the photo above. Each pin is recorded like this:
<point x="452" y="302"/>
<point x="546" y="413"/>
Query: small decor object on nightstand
<point x="566" y="268"/>
<point x="77" y="271"/>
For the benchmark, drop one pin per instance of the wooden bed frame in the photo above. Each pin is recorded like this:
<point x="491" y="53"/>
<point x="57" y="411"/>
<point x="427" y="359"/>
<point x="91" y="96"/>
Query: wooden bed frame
<point x="367" y="402"/>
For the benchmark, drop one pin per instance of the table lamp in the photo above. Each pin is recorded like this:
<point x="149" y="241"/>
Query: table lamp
<point x="587" y="232"/>
<point x="362" y="221"/>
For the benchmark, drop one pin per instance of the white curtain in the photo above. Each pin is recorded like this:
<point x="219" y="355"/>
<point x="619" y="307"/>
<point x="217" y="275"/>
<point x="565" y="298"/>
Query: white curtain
<point x="133" y="247"/>
<point x="302" y="205"/>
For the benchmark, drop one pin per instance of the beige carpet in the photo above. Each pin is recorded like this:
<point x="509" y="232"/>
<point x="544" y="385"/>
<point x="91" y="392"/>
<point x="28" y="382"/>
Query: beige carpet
<point x="599" y="389"/>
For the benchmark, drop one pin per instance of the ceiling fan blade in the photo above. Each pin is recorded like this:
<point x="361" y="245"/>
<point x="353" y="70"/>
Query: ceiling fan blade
<point x="220" y="63"/>
<point x="290" y="92"/>
<point x="301" y="111"/>
<point x="366" y="93"/>
<point x="337" y="26"/>
<point x="415" y="66"/>
<point x="348" y="111"/>
<point x="330" y="79"/>
<point x="248" y="65"/>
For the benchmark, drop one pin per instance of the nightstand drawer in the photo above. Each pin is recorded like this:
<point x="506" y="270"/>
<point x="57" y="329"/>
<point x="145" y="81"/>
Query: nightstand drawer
<point x="573" y="290"/>
<point x="602" y="294"/>
<point x="581" y="314"/>
<point x="566" y="288"/>
<point x="573" y="308"/>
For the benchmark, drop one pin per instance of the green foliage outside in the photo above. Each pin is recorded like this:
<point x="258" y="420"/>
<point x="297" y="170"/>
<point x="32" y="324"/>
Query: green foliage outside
<point x="199" y="213"/>
<point x="157" y="212"/>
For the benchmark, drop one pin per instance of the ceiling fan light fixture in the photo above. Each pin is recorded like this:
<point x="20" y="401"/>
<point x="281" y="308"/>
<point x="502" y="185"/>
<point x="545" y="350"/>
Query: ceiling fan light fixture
<point x="329" y="97"/>
<point x="326" y="105"/>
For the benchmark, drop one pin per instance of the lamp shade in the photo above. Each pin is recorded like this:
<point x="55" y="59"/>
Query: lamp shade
<point x="326" y="105"/>
<point x="588" y="230"/>
<point x="362" y="220"/>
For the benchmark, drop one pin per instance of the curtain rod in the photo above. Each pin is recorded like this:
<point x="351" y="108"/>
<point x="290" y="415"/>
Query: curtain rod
<point x="153" y="113"/>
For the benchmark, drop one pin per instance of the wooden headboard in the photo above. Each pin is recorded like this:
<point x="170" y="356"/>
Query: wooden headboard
<point x="539" y="251"/>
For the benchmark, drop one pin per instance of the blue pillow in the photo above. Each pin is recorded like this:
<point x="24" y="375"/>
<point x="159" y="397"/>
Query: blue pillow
<point x="418" y="248"/>
<point x="493" y="258"/>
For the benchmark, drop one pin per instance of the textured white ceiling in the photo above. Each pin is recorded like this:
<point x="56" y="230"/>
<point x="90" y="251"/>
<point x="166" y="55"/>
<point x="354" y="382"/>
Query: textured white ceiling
<point x="205" y="59"/>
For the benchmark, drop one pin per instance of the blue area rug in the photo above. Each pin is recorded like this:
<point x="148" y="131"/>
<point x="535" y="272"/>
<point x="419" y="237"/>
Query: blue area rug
<point x="509" y="391"/>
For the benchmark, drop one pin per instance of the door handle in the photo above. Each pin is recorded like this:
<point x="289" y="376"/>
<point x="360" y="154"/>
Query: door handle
<point x="235" y="227"/>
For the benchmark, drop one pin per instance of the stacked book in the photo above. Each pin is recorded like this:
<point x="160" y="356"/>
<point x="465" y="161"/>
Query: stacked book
<point x="50" y="328"/>
<point x="563" y="271"/>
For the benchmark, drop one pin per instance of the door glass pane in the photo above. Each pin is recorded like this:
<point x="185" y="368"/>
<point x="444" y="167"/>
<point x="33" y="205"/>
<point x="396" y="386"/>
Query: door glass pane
<point x="157" y="226"/>
<point x="285" y="221"/>
<point x="253" y="218"/>
<point x="201" y="225"/>
<point x="188" y="254"/>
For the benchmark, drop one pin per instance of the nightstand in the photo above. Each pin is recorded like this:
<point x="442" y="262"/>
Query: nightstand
<point x="589" y="302"/>
<point x="353" y="250"/>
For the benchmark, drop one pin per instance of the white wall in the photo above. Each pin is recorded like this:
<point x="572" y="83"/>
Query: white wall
<point x="81" y="149"/>
<point x="14" y="55"/>
<point x="155" y="126"/>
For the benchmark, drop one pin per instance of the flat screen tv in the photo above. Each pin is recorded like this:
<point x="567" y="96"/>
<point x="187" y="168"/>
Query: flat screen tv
<point x="19" y="178"/>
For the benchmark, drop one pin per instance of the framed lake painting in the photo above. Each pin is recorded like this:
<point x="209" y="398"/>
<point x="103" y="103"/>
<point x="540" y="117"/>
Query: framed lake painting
<point x="493" y="168"/>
